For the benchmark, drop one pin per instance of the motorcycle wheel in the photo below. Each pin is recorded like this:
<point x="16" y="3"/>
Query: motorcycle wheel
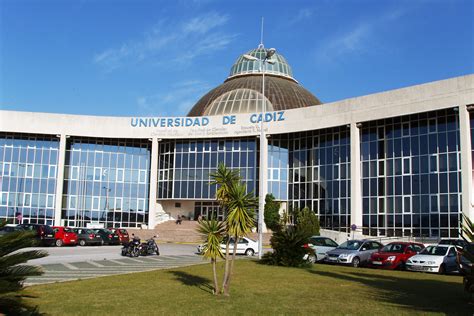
<point x="136" y="252"/>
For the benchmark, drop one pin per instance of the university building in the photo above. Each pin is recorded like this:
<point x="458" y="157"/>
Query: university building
<point x="396" y="163"/>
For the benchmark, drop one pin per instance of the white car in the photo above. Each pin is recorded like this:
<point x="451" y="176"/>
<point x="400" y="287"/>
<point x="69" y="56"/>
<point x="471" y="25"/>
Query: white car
<point x="435" y="258"/>
<point x="245" y="246"/>
<point x="320" y="246"/>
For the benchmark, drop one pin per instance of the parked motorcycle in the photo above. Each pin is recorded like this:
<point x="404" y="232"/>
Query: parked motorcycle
<point x="149" y="247"/>
<point x="133" y="248"/>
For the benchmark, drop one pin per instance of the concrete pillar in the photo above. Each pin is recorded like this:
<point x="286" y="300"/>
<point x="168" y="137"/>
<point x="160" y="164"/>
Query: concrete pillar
<point x="153" y="183"/>
<point x="466" y="162"/>
<point x="60" y="180"/>
<point x="356" y="193"/>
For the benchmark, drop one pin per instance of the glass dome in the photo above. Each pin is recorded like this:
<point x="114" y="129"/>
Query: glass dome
<point x="238" y="101"/>
<point x="244" y="66"/>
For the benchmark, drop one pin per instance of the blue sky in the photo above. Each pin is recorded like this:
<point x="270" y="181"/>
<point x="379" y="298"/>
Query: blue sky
<point x="157" y="58"/>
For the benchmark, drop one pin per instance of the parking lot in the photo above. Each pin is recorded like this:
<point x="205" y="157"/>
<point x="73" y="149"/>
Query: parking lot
<point x="73" y="263"/>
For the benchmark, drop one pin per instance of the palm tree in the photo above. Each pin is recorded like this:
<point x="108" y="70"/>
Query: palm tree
<point x="224" y="178"/>
<point x="213" y="233"/>
<point x="13" y="274"/>
<point x="239" y="221"/>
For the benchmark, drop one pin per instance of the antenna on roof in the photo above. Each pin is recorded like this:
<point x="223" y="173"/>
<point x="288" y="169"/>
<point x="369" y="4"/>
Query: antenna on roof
<point x="261" y="35"/>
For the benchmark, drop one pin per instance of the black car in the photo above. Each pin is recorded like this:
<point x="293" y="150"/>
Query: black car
<point x="9" y="229"/>
<point x="108" y="237"/>
<point x="87" y="236"/>
<point x="44" y="233"/>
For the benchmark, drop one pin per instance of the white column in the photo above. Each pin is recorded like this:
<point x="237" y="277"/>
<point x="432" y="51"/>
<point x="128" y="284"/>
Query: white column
<point x="356" y="193"/>
<point x="153" y="183"/>
<point x="60" y="180"/>
<point x="466" y="162"/>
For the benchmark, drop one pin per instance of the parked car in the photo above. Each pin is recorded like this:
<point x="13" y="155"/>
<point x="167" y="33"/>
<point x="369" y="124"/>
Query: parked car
<point x="64" y="236"/>
<point x="453" y="242"/>
<point x="245" y="246"/>
<point x="123" y="235"/>
<point x="320" y="245"/>
<point x="87" y="237"/>
<point x="44" y="233"/>
<point x="108" y="237"/>
<point x="435" y="258"/>
<point x="9" y="228"/>
<point x="395" y="255"/>
<point x="353" y="252"/>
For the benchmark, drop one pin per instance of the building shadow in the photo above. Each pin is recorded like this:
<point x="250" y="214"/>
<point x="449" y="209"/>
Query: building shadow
<point x="193" y="280"/>
<point x="413" y="294"/>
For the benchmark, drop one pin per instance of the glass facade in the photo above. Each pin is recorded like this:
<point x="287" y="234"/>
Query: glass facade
<point x="411" y="175"/>
<point x="106" y="181"/>
<point x="319" y="175"/>
<point x="185" y="166"/>
<point x="28" y="177"/>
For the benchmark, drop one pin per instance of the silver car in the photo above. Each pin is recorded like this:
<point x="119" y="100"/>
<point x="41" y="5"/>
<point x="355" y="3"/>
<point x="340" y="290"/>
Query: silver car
<point x="353" y="252"/>
<point x="320" y="246"/>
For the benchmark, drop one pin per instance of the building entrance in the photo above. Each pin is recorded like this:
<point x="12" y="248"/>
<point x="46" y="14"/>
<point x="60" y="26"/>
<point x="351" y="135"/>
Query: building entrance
<point x="208" y="210"/>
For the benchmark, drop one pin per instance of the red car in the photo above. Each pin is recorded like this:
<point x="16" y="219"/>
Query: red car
<point x="64" y="236"/>
<point x="123" y="235"/>
<point x="394" y="255"/>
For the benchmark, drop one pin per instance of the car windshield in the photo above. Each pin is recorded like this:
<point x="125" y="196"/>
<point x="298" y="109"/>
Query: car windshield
<point x="398" y="248"/>
<point x="47" y="229"/>
<point x="123" y="231"/>
<point x="434" y="251"/>
<point x="350" y="245"/>
<point x="68" y="230"/>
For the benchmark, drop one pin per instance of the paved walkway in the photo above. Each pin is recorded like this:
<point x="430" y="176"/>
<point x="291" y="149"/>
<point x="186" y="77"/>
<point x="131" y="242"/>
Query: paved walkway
<point x="60" y="272"/>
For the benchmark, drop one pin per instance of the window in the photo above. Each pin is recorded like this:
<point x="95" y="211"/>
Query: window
<point x="29" y="170"/>
<point x="192" y="147"/>
<point x="4" y="199"/>
<point x="406" y="165"/>
<point x="120" y="175"/>
<point x="72" y="202"/>
<point x="141" y="205"/>
<point x="52" y="171"/>
<point x="118" y="204"/>
<point x="27" y="199"/>
<point x="95" y="203"/>
<point x="142" y="176"/>
<point x="97" y="173"/>
<point x="74" y="172"/>
<point x="6" y="168"/>
<point x="50" y="200"/>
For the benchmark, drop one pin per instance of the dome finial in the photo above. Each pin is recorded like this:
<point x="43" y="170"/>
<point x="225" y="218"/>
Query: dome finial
<point x="261" y="35"/>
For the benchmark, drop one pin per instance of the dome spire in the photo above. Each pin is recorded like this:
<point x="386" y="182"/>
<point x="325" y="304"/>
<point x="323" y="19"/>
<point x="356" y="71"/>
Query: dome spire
<point x="261" y="35"/>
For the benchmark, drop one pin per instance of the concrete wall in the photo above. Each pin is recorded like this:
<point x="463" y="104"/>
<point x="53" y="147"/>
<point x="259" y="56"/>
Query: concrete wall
<point x="186" y="209"/>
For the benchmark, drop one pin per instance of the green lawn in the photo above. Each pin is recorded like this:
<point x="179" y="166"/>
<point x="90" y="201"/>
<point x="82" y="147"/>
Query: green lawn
<point x="258" y="289"/>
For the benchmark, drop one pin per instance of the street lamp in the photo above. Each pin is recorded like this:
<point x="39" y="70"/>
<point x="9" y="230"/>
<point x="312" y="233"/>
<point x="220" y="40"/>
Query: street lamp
<point x="263" y="144"/>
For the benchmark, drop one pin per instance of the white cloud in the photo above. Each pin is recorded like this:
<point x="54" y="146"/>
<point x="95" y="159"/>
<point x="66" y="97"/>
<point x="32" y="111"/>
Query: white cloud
<point x="303" y="14"/>
<point x="358" y="40"/>
<point x="170" y="41"/>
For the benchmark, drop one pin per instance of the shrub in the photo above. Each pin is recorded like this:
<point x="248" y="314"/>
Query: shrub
<point x="271" y="213"/>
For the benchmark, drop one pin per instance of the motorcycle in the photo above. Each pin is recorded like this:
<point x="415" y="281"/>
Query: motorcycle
<point x="149" y="247"/>
<point x="132" y="249"/>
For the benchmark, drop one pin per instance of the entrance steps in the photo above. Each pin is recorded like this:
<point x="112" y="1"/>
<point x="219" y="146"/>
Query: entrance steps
<point x="169" y="231"/>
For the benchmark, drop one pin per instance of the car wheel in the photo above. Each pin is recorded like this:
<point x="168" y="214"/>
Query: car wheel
<point x="59" y="242"/>
<point x="401" y="266"/>
<point x="312" y="259"/>
<point x="249" y="252"/>
<point x="82" y="242"/>
<point x="442" y="269"/>
<point x="356" y="262"/>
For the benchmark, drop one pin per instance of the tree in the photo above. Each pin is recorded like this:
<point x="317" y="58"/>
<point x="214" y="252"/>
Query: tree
<point x="468" y="253"/>
<point x="272" y="212"/>
<point x="239" y="221"/>
<point x="213" y="233"/>
<point x="307" y="220"/>
<point x="224" y="178"/>
<point x="13" y="273"/>
<point x="288" y="241"/>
